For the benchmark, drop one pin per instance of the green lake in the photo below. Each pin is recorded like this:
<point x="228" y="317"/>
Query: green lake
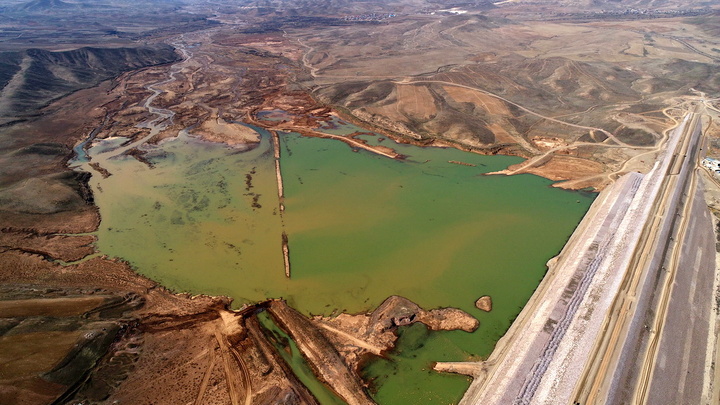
<point x="205" y="219"/>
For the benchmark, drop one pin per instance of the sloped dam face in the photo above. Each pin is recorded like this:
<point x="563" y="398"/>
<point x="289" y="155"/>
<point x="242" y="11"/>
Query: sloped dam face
<point x="206" y="218"/>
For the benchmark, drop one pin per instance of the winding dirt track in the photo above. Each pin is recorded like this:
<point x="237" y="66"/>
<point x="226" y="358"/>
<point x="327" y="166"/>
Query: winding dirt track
<point x="206" y="377"/>
<point x="605" y="132"/>
<point x="355" y="341"/>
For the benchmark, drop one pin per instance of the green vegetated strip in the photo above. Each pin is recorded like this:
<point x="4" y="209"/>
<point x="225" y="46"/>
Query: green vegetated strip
<point x="361" y="227"/>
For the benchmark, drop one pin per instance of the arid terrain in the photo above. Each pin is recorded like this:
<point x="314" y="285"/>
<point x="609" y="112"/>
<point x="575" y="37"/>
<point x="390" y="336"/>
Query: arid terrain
<point x="584" y="91"/>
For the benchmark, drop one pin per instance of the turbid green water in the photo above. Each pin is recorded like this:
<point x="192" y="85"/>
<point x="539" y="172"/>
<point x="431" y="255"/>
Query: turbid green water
<point x="361" y="227"/>
<point x="406" y="377"/>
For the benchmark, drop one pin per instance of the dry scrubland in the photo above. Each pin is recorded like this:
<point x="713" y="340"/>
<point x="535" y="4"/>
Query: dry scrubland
<point x="583" y="96"/>
<point x="594" y="92"/>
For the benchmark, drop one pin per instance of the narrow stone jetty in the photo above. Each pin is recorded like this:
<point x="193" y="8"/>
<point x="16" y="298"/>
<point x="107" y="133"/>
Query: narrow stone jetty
<point x="278" y="173"/>
<point x="286" y="254"/>
<point x="457" y="162"/>
<point x="281" y="198"/>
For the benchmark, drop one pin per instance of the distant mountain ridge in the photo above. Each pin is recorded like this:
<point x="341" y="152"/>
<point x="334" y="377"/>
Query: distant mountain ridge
<point x="42" y="5"/>
<point x="619" y="4"/>
<point x="33" y="78"/>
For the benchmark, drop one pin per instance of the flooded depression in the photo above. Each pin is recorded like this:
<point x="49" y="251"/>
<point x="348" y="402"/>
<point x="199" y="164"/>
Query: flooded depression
<point x="203" y="217"/>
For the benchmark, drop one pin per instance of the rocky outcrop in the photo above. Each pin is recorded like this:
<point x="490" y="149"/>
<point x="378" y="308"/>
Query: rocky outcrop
<point x="484" y="303"/>
<point x="398" y="311"/>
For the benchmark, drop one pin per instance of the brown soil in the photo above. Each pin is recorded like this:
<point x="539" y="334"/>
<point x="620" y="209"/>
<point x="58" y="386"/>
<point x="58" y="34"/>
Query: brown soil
<point x="490" y="104"/>
<point x="567" y="168"/>
<point x="216" y="129"/>
<point x="55" y="247"/>
<point x="416" y="102"/>
<point x="357" y="336"/>
<point x="165" y="347"/>
<point x="175" y="348"/>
